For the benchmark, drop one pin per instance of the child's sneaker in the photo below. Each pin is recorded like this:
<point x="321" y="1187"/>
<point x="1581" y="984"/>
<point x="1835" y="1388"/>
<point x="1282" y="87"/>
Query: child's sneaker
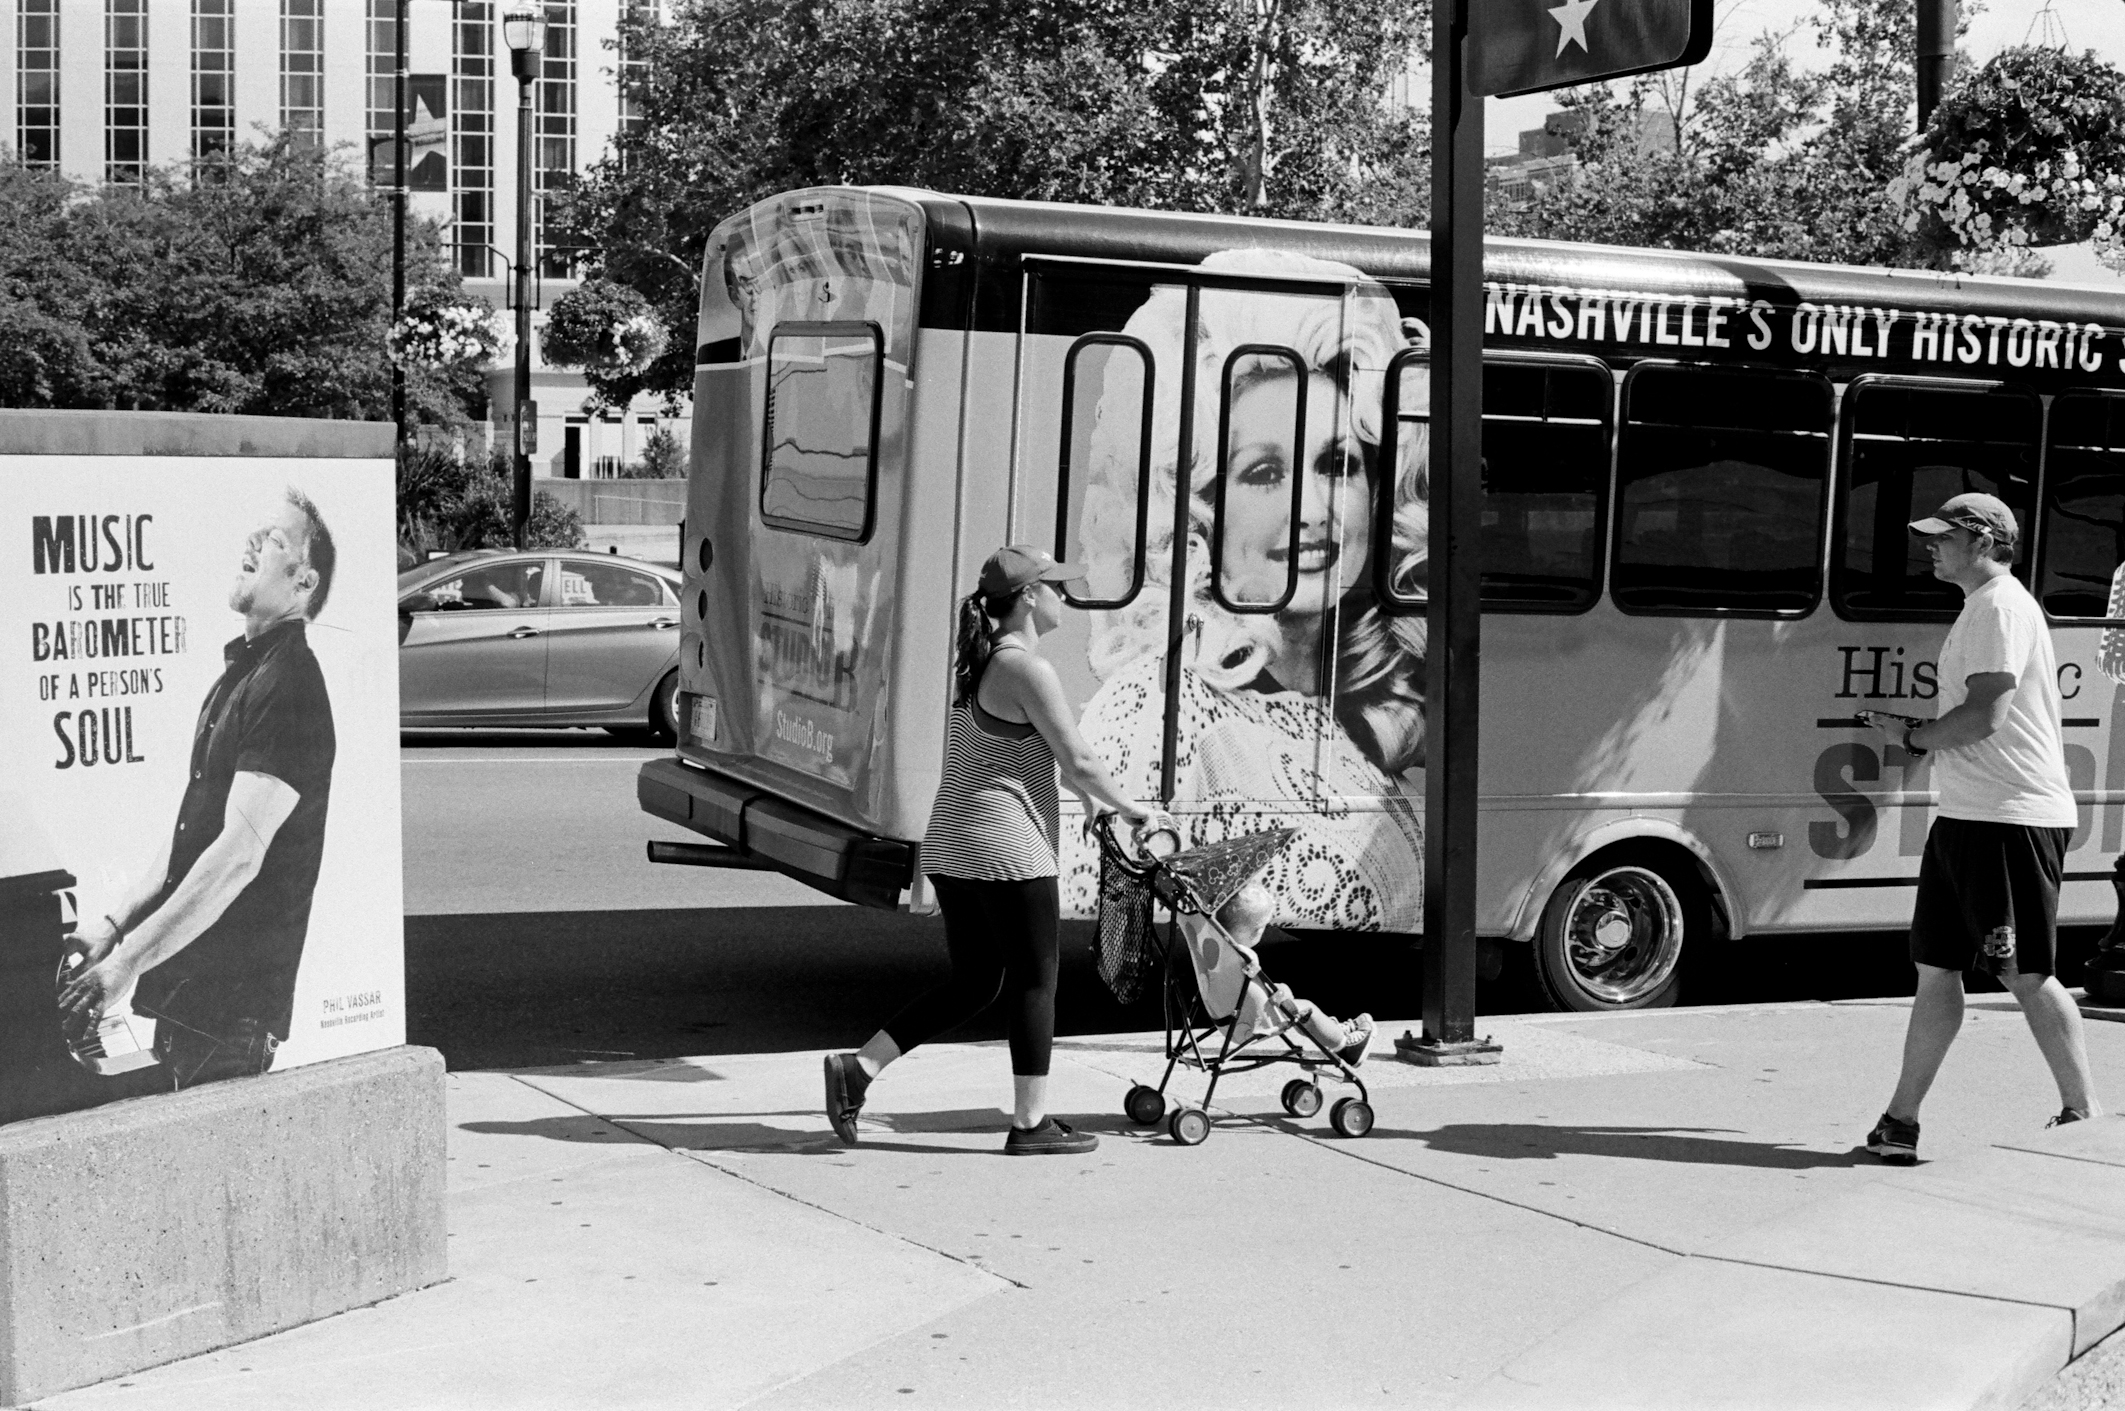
<point x="1894" y="1141"/>
<point x="845" y="1084"/>
<point x="1050" y="1138"/>
<point x="1360" y="1031"/>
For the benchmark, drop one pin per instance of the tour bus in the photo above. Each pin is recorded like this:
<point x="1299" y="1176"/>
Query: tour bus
<point x="1698" y="473"/>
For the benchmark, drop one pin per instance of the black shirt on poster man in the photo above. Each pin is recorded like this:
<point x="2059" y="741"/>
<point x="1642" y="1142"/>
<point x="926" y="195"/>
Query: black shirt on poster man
<point x="268" y="714"/>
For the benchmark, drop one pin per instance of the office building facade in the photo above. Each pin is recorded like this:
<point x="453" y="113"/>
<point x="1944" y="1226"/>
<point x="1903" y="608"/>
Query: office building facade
<point x="101" y="90"/>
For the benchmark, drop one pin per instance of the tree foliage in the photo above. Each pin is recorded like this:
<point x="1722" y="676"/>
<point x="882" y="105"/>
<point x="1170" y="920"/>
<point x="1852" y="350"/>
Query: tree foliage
<point x="1266" y="106"/>
<point x="1777" y="159"/>
<point x="448" y="501"/>
<point x="261" y="284"/>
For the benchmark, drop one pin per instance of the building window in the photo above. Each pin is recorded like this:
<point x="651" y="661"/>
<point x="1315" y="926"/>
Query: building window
<point x="383" y="92"/>
<point x="213" y="79"/>
<point x="125" y="90"/>
<point x="472" y="135"/>
<point x="634" y="66"/>
<point x="555" y="145"/>
<point x="302" y="71"/>
<point x="37" y="82"/>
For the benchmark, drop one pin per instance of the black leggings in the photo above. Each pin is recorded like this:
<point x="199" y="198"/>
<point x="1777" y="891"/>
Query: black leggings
<point x="1001" y="936"/>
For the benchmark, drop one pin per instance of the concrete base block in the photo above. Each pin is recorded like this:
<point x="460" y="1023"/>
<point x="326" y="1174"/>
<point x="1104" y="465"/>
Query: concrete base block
<point x="163" y="1227"/>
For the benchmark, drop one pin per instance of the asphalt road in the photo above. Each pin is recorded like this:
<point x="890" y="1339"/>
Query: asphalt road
<point x="537" y="933"/>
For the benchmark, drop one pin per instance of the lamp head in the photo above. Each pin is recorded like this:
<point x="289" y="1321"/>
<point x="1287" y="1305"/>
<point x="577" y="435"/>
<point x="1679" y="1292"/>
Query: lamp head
<point x="524" y="28"/>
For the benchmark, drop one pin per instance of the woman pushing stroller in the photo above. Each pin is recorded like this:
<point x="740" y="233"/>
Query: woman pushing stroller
<point x="990" y="852"/>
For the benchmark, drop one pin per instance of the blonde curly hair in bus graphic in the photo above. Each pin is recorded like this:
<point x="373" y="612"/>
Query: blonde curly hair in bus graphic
<point x="1345" y="346"/>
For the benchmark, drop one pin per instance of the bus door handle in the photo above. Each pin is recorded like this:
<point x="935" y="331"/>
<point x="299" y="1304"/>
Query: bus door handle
<point x="525" y="632"/>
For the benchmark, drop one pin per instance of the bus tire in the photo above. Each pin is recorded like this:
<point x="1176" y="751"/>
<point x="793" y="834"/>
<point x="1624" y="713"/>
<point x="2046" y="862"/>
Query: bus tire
<point x="1613" y="933"/>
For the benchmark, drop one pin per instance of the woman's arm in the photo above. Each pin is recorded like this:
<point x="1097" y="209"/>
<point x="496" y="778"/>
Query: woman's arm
<point x="1032" y="685"/>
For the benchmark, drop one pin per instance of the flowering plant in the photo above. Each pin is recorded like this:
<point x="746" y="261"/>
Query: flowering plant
<point x="440" y="331"/>
<point x="604" y="327"/>
<point x="2030" y="150"/>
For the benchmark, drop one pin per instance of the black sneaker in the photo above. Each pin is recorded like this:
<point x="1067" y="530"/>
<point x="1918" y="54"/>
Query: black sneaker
<point x="1894" y="1142"/>
<point x="2067" y="1114"/>
<point x="1359" y="1031"/>
<point x="1050" y="1138"/>
<point x="845" y="1084"/>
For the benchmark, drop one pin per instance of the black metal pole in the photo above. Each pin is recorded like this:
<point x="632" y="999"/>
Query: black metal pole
<point x="1453" y="580"/>
<point x="1177" y="622"/>
<point x="1936" y="55"/>
<point x="520" y="512"/>
<point x="398" y="225"/>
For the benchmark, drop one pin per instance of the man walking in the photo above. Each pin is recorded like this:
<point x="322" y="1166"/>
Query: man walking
<point x="1988" y="887"/>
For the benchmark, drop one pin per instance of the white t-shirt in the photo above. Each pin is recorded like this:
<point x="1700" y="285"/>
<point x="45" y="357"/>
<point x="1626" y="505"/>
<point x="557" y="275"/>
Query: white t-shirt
<point x="2017" y="774"/>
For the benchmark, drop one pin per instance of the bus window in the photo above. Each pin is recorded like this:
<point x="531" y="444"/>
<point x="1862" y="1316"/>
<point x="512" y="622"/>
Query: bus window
<point x="1278" y="511"/>
<point x="1545" y="473"/>
<point x="1103" y="483"/>
<point x="2084" y="507"/>
<point x="1909" y="446"/>
<point x="1719" y="484"/>
<point x="822" y="428"/>
<point x="1545" y="480"/>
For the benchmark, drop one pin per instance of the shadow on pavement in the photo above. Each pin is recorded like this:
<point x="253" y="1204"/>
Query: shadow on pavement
<point x="555" y="989"/>
<point x="1522" y="1141"/>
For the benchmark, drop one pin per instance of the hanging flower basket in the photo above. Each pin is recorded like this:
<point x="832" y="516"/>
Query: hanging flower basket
<point x="440" y="332"/>
<point x="605" y="328"/>
<point x="2025" y="152"/>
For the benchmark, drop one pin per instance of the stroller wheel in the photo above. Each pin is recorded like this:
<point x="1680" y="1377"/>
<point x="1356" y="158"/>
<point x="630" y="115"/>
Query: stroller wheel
<point x="1144" y="1105"/>
<point x="1351" y="1117"/>
<point x="1301" y="1098"/>
<point x="1190" y="1125"/>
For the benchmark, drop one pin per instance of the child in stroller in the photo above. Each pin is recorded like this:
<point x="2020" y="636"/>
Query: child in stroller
<point x="1222" y="966"/>
<point x="1223" y="1012"/>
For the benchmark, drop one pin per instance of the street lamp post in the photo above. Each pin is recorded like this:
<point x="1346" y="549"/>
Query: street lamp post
<point x="524" y="30"/>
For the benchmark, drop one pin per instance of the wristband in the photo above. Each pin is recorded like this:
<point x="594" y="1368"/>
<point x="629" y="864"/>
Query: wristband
<point x="1916" y="751"/>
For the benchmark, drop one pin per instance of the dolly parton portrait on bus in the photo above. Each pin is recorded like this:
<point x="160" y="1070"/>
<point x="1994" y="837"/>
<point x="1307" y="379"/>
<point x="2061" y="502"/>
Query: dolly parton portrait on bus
<point x="1307" y="710"/>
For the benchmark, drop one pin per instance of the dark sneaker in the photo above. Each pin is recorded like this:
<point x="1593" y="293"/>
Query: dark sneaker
<point x="1894" y="1142"/>
<point x="1050" y="1138"/>
<point x="2067" y="1114"/>
<point x="845" y="1084"/>
<point x="1360" y="1031"/>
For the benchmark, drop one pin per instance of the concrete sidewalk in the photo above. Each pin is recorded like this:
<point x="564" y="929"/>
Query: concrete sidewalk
<point x="1646" y="1210"/>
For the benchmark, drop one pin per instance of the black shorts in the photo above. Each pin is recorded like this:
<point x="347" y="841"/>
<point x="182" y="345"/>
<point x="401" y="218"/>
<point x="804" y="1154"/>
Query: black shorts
<point x="1988" y="897"/>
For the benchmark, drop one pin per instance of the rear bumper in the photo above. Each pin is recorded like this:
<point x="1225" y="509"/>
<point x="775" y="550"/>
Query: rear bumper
<point x="819" y="852"/>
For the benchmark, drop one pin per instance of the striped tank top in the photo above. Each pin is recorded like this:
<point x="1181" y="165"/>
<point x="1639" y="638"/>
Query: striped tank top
<point x="997" y="811"/>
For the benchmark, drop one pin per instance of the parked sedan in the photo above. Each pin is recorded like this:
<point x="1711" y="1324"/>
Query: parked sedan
<point x="543" y="637"/>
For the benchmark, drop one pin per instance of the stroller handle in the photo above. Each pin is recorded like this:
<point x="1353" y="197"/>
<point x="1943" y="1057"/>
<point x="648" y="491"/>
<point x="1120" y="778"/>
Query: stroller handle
<point x="1136" y="854"/>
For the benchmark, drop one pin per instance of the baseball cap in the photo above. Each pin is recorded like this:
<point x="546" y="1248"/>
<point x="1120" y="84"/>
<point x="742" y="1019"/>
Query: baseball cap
<point x="1975" y="511"/>
<point x="1014" y="566"/>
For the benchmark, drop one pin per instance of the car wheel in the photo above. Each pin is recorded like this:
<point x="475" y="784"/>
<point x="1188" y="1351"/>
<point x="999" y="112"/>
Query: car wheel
<point x="1612" y="937"/>
<point x="664" y="709"/>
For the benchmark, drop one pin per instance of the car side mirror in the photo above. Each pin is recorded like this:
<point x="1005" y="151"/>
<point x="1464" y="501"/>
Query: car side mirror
<point x="416" y="602"/>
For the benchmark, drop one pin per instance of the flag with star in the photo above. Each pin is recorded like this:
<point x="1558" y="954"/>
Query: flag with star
<point x="1524" y="46"/>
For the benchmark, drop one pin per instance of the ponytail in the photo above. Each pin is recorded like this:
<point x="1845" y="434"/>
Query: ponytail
<point x="972" y="646"/>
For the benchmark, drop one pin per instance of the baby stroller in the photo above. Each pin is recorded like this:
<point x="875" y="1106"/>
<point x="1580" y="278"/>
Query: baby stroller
<point x="1223" y="1014"/>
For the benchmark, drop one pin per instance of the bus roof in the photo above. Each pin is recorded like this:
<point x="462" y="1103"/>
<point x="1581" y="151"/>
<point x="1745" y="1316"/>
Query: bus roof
<point x="1003" y="234"/>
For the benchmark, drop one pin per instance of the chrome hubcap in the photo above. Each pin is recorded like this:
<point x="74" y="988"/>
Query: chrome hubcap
<point x="1623" y="934"/>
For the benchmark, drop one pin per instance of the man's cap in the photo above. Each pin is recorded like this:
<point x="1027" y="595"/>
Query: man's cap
<point x="1978" y="512"/>
<point x="1014" y="566"/>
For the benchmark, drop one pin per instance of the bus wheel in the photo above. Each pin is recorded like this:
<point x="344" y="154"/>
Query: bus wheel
<point x="1611" y="938"/>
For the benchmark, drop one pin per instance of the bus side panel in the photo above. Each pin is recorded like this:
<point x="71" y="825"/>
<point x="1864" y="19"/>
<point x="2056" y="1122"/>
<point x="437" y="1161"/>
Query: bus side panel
<point x="713" y="664"/>
<point x="921" y="630"/>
